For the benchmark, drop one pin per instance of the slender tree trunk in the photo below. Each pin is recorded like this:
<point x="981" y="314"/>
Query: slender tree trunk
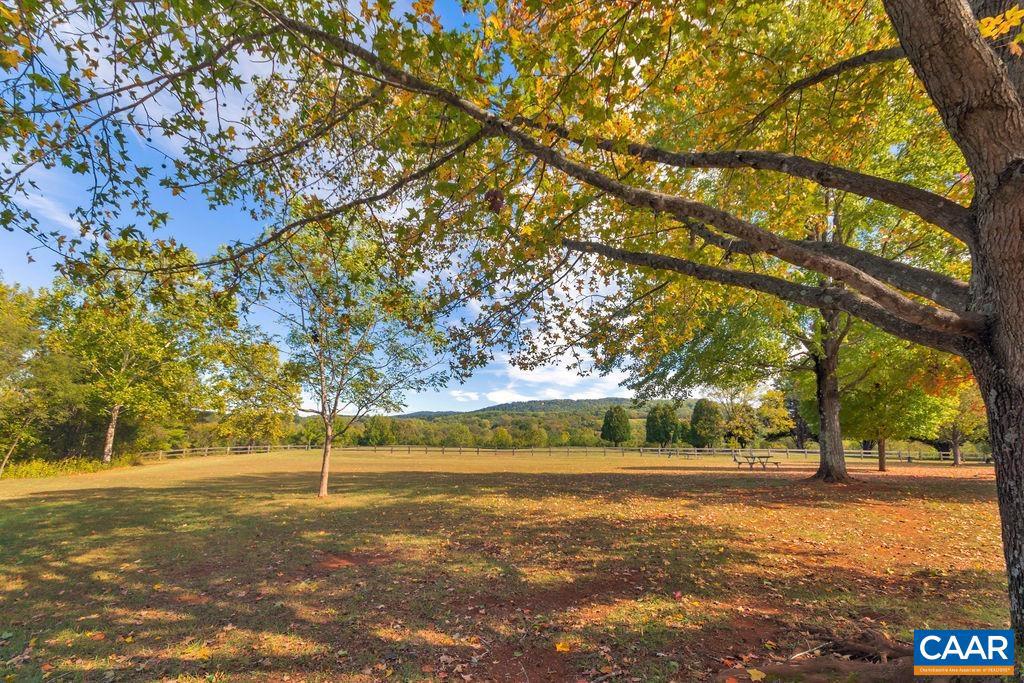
<point x="325" y="466"/>
<point x="832" y="461"/>
<point x="108" y="443"/>
<point x="881" y="455"/>
<point x="7" y="456"/>
<point x="955" y="447"/>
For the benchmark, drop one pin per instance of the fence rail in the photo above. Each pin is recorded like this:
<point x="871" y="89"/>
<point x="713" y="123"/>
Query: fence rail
<point x="687" y="453"/>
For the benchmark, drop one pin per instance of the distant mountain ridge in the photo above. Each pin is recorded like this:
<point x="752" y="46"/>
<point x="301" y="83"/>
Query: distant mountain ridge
<point x="555" y="405"/>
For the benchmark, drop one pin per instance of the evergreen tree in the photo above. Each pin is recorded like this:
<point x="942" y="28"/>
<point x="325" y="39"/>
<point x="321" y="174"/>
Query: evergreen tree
<point x="616" y="427"/>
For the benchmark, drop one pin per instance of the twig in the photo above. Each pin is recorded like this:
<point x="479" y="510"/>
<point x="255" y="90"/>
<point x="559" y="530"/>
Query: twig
<point x="807" y="652"/>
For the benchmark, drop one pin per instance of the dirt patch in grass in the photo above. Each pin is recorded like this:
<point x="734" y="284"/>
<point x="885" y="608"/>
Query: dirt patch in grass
<point x="333" y="561"/>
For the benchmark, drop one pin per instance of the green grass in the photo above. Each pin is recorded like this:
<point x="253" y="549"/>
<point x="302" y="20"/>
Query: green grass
<point x="33" y="469"/>
<point x="497" y="568"/>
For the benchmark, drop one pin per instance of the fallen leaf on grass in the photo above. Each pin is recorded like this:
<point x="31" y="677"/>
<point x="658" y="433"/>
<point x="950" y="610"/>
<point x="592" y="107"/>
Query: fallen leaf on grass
<point x="562" y="647"/>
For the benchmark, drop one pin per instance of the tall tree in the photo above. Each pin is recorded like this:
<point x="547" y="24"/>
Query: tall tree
<point x="258" y="397"/>
<point x="892" y="389"/>
<point x="774" y="416"/>
<point x="616" y="427"/>
<point x="662" y="423"/>
<point x="19" y="406"/>
<point x="143" y="342"/>
<point x="359" y="336"/>
<point x="706" y="424"/>
<point x="576" y="127"/>
<point x="965" y="419"/>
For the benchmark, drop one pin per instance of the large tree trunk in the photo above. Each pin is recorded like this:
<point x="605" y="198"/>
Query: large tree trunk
<point x="325" y="466"/>
<point x="955" y="446"/>
<point x="1005" y="402"/>
<point x="108" y="443"/>
<point x="832" y="459"/>
<point x="881" y="455"/>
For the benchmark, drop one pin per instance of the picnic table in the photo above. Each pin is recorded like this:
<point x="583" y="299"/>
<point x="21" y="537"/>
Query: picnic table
<point x="752" y="459"/>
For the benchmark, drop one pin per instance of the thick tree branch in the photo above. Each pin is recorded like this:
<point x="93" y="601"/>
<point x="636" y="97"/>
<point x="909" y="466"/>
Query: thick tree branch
<point x="936" y="209"/>
<point x="827" y="298"/>
<point x="942" y="289"/>
<point x="791" y="252"/>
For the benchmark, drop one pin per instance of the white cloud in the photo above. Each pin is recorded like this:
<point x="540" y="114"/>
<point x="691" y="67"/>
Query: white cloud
<point x="463" y="396"/>
<point x="48" y="212"/>
<point x="507" y="395"/>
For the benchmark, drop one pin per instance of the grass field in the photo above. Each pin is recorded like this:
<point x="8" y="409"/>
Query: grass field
<point x="538" y="568"/>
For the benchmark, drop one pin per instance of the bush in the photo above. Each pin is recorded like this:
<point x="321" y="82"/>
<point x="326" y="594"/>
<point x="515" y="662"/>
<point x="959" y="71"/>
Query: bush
<point x="28" y="469"/>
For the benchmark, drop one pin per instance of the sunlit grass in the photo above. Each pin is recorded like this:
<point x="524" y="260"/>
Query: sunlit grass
<point x="551" y="567"/>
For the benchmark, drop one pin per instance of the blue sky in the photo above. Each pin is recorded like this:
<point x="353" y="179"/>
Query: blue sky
<point x="204" y="230"/>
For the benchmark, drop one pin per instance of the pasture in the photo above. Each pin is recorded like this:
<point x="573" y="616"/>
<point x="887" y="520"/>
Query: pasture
<point x="533" y="568"/>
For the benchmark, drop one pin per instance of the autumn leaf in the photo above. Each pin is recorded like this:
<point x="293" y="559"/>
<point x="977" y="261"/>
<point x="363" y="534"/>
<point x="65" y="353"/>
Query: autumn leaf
<point x="756" y="674"/>
<point x="10" y="59"/>
<point x="562" y="647"/>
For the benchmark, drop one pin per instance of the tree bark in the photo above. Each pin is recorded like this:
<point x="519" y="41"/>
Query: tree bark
<point x="1005" y="402"/>
<point x="832" y="460"/>
<point x="881" y="455"/>
<point x="957" y="460"/>
<point x="801" y="431"/>
<point x="325" y="466"/>
<point x="108" y="443"/>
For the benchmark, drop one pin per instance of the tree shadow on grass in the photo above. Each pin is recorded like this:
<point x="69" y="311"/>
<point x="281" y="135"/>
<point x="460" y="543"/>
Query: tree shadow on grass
<point x="251" y="577"/>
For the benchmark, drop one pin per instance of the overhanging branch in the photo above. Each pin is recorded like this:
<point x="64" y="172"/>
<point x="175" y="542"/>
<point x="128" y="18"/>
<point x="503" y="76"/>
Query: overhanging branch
<point x="880" y="293"/>
<point x="935" y="209"/>
<point x="836" y="298"/>
<point x="942" y="289"/>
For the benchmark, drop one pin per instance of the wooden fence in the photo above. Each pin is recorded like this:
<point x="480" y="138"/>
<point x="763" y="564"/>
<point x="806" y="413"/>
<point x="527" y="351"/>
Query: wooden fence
<point x="687" y="453"/>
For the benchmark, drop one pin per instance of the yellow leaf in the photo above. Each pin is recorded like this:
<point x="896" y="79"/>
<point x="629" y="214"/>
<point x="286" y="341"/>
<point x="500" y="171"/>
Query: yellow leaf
<point x="756" y="674"/>
<point x="9" y="59"/>
<point x="562" y="647"/>
<point x="9" y="16"/>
